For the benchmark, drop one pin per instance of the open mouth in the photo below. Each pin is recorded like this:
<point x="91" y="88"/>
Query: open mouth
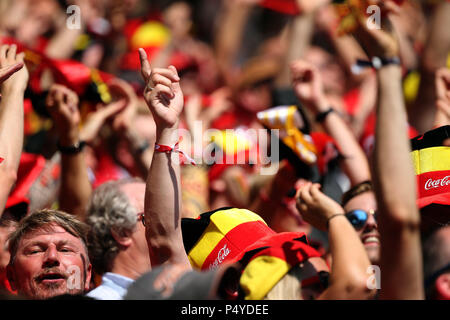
<point x="51" y="277"/>
<point x="371" y="241"/>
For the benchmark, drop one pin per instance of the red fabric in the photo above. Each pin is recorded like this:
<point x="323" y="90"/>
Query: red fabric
<point x="326" y="150"/>
<point x="74" y="74"/>
<point x="107" y="169"/>
<point x="283" y="246"/>
<point x="433" y="187"/>
<point x="283" y="6"/>
<point x="30" y="167"/>
<point x="236" y="240"/>
<point x="4" y="283"/>
<point x="368" y="136"/>
<point x="351" y="100"/>
<point x="227" y="120"/>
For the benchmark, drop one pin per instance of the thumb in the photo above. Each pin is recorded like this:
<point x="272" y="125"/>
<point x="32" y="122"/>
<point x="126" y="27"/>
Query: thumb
<point x="146" y="69"/>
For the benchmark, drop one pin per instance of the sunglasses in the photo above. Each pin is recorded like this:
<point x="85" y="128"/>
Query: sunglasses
<point x="141" y="217"/>
<point x="358" y="218"/>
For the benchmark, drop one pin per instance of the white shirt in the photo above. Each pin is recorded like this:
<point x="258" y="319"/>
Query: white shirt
<point x="113" y="287"/>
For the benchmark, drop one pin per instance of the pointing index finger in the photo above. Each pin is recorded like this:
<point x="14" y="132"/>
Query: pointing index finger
<point x="146" y="69"/>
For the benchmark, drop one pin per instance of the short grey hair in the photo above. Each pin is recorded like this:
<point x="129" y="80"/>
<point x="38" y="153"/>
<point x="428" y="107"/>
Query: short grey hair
<point x="44" y="219"/>
<point x="109" y="210"/>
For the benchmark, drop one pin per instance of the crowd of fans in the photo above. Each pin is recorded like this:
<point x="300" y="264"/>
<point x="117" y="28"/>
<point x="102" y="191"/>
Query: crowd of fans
<point x="105" y="104"/>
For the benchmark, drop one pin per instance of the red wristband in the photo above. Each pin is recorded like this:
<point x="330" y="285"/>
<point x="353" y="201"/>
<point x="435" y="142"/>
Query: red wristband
<point x="174" y="148"/>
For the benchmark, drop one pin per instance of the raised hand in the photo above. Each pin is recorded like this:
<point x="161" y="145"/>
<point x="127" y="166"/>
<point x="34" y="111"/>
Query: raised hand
<point x="162" y="93"/>
<point x="122" y="90"/>
<point x="316" y="207"/>
<point x="379" y="42"/>
<point x="62" y="104"/>
<point x="97" y="119"/>
<point x="13" y="73"/>
<point x="308" y="86"/>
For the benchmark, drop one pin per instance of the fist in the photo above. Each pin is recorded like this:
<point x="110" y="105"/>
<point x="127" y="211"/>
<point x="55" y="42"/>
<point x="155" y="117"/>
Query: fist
<point x="308" y="86"/>
<point x="316" y="207"/>
<point x="62" y="104"/>
<point x="13" y="73"/>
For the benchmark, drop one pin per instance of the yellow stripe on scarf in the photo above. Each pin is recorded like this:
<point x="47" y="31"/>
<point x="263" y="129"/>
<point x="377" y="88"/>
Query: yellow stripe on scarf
<point x="431" y="159"/>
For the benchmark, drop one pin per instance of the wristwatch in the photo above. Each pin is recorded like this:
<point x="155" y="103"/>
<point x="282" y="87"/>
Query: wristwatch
<point x="73" y="149"/>
<point x="321" y="116"/>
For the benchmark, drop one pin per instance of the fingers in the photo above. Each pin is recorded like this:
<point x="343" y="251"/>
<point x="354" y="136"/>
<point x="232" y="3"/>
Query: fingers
<point x="160" y="79"/>
<point x="305" y="194"/>
<point x="169" y="73"/>
<point x="5" y="73"/>
<point x="302" y="71"/>
<point x="160" y="88"/>
<point x="11" y="53"/>
<point x="146" y="69"/>
<point x="3" y="51"/>
<point x="164" y="81"/>
<point x="8" y="55"/>
<point x="60" y="95"/>
<point x="113" y="108"/>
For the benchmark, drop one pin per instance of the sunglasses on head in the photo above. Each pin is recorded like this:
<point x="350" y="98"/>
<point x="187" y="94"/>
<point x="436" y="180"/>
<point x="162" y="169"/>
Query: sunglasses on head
<point x="358" y="218"/>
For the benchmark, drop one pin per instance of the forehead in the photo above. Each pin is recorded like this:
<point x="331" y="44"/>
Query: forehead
<point x="135" y="192"/>
<point x="365" y="201"/>
<point x="51" y="233"/>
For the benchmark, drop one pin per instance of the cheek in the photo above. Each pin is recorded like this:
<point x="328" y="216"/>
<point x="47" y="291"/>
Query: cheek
<point x="25" y="273"/>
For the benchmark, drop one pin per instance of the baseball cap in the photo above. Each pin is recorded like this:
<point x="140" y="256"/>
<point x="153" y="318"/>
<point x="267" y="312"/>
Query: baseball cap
<point x="432" y="167"/>
<point x="431" y="161"/>
<point x="220" y="236"/>
<point x="220" y="283"/>
<point x="268" y="260"/>
<point x="229" y="235"/>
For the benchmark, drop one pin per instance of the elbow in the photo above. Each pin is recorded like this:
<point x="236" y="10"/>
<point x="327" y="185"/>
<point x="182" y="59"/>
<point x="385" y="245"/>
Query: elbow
<point x="9" y="176"/>
<point x="356" y="287"/>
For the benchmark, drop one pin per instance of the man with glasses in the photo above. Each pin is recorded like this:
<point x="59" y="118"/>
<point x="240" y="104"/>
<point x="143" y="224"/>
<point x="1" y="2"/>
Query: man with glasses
<point x="361" y="209"/>
<point x="117" y="243"/>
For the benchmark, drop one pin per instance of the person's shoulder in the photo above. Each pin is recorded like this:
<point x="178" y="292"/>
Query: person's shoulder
<point x="103" y="292"/>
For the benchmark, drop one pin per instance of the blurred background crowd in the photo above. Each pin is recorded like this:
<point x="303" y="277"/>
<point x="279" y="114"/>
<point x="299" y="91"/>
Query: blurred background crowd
<point x="237" y="61"/>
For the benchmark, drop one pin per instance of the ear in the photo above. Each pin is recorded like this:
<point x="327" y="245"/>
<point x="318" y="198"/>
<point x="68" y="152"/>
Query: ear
<point x="443" y="286"/>
<point x="10" y="274"/>
<point x="87" y="283"/>
<point x="124" y="241"/>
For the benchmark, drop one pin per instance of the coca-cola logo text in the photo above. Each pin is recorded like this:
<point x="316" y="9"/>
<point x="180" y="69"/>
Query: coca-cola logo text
<point x="431" y="184"/>
<point x="221" y="255"/>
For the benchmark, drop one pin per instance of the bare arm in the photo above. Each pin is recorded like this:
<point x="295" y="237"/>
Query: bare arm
<point x="348" y="277"/>
<point x="11" y="117"/>
<point x="394" y="179"/>
<point x="399" y="219"/>
<point x="299" y="37"/>
<point x="229" y="35"/>
<point x="163" y="194"/>
<point x="75" y="190"/>
<point x="442" y="117"/>
<point x="422" y="112"/>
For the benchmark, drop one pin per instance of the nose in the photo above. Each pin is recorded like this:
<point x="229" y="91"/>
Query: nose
<point x="51" y="258"/>
<point x="371" y="223"/>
